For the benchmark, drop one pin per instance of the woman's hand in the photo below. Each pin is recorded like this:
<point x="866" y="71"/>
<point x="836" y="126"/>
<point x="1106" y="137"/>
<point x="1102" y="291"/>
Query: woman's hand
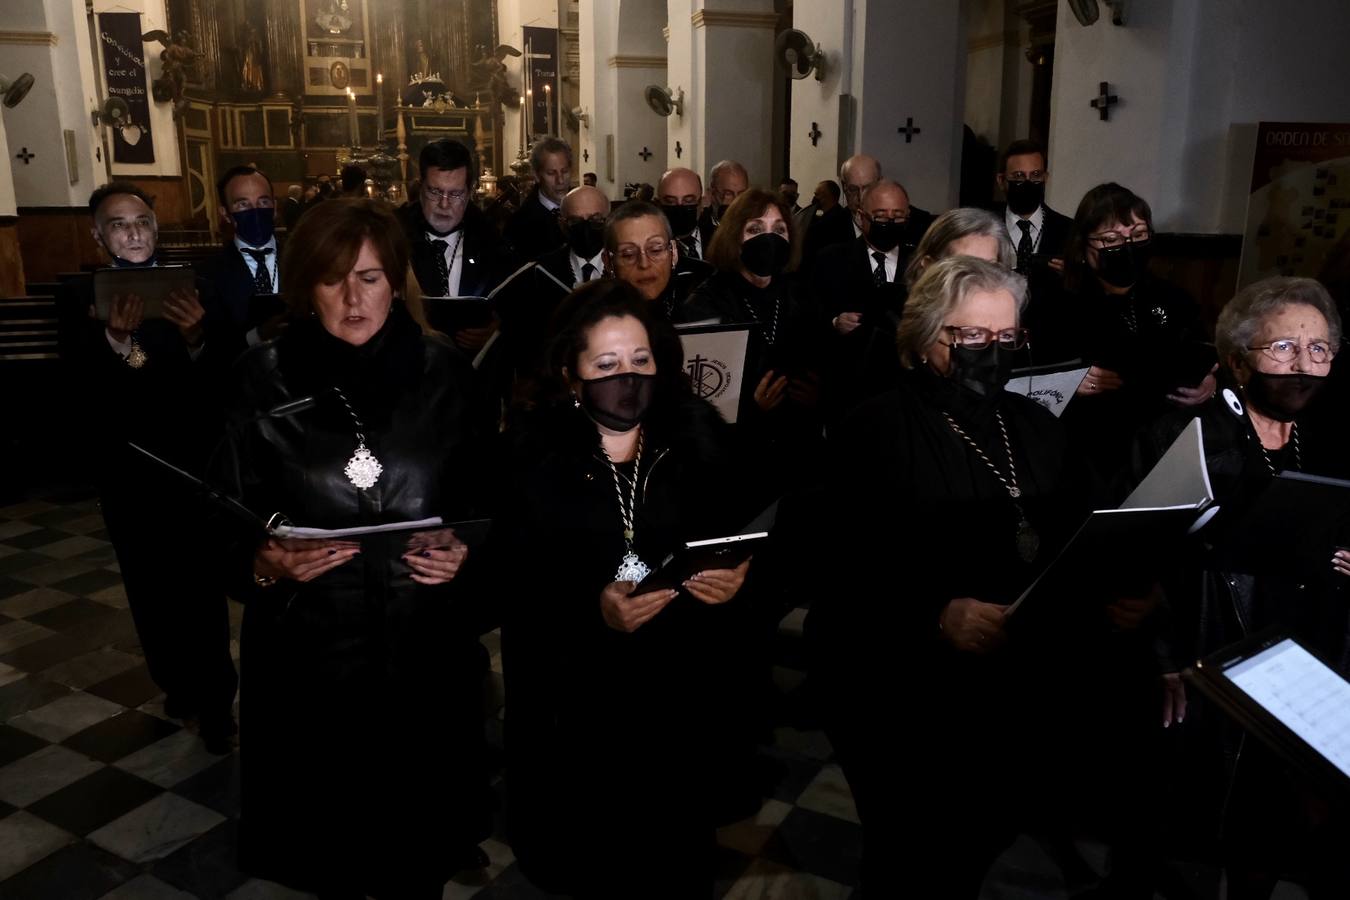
<point x="973" y="626"/>
<point x="1194" y="396"/>
<point x="125" y="316"/>
<point x="301" y="560"/>
<point x="770" y="391"/>
<point x="628" y="613"/>
<point x="1340" y="562"/>
<point x="436" y="565"/>
<point x="1174" y="700"/>
<point x="1098" y="381"/>
<point x="715" y="586"/>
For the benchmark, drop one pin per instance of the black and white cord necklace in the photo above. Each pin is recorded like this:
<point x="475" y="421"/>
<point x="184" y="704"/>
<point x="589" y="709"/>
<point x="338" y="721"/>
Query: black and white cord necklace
<point x="363" y="469"/>
<point x="1293" y="439"/>
<point x="631" y="568"/>
<point x="771" y="334"/>
<point x="1028" y="541"/>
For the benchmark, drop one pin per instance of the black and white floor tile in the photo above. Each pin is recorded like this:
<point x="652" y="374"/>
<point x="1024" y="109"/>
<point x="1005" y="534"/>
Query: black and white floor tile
<point x="103" y="796"/>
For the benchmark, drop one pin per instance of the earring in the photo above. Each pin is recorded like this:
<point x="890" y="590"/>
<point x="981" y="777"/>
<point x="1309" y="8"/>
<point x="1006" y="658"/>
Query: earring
<point x="576" y="402"/>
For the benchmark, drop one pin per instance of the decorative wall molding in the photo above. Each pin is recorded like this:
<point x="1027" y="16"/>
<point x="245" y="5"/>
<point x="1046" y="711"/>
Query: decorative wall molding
<point x="637" y="62"/>
<point x="28" y="37"/>
<point x="996" y="39"/>
<point x="706" y="18"/>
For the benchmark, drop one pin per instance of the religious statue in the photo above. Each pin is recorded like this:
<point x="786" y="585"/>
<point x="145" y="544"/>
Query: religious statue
<point x="488" y="73"/>
<point x="250" y="59"/>
<point x="175" y="59"/>
<point x="335" y="17"/>
<point x="421" y="62"/>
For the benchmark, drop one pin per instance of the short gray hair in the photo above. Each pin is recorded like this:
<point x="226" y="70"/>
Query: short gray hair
<point x="726" y="165"/>
<point x="545" y="146"/>
<point x="943" y="287"/>
<point x="1241" y="317"/>
<point x="949" y="228"/>
<point x="633" y="209"/>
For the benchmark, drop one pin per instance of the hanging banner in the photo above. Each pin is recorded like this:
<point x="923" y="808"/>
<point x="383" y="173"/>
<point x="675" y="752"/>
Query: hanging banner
<point x="124" y="76"/>
<point x="541" y="78"/>
<point x="1298" y="212"/>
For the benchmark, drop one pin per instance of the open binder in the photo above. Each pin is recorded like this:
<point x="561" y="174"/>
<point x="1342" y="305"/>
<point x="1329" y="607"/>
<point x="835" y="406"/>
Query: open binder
<point x="1175" y="499"/>
<point x="1279" y="691"/>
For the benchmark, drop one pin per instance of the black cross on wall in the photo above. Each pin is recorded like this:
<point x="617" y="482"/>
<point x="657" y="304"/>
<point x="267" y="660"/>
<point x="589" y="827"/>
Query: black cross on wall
<point x="645" y="154"/>
<point x="815" y="133"/>
<point x="908" y="130"/>
<point x="25" y="156"/>
<point x="585" y="155"/>
<point x="679" y="151"/>
<point x="1104" y="101"/>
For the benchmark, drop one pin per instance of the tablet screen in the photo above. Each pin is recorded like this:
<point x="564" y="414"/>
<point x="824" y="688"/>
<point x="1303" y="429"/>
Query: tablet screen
<point x="1303" y="693"/>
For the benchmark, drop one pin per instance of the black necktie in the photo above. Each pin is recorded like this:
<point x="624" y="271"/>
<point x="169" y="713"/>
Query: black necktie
<point x="691" y="247"/>
<point x="587" y="271"/>
<point x="442" y="268"/>
<point x="262" y="280"/>
<point x="879" y="273"/>
<point x="1024" y="247"/>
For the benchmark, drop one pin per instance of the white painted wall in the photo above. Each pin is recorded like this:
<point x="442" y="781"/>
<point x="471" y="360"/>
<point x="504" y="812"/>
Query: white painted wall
<point x="637" y="127"/>
<point x="60" y="99"/>
<point x="1194" y="79"/>
<point x="598" y="23"/>
<point x="512" y="17"/>
<point x="827" y="24"/>
<point x="682" y="73"/>
<point x="8" y="206"/>
<point x="912" y="62"/>
<point x="733" y="98"/>
<point x="162" y="126"/>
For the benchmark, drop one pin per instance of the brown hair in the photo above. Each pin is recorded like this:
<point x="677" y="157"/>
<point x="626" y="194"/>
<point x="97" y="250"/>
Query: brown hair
<point x="326" y="242"/>
<point x="724" y="250"/>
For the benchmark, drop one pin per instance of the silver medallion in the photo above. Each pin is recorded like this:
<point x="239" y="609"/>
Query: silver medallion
<point x="632" y="569"/>
<point x="363" y="469"/>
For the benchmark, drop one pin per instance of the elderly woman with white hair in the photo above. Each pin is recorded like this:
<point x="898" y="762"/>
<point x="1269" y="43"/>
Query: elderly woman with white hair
<point x="964" y="231"/>
<point x="953" y="496"/>
<point x="1276" y="341"/>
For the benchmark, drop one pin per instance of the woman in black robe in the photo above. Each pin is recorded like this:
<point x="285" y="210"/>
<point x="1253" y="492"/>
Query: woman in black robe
<point x="1142" y="335"/>
<point x="620" y="709"/>
<point x="1277" y="339"/>
<point x="951" y="495"/>
<point x="362" y="699"/>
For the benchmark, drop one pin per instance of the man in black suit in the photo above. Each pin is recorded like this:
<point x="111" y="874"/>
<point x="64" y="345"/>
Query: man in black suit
<point x="858" y="173"/>
<point x="829" y="223"/>
<point x="1040" y="235"/>
<point x="680" y="195"/>
<point x="727" y="181"/>
<point x="292" y="207"/>
<point x="533" y="230"/>
<point x="144" y="380"/>
<point x="860" y="286"/>
<point x="455" y="252"/>
<point x="249" y="264"/>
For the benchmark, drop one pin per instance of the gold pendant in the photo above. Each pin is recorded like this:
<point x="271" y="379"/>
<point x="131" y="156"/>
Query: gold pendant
<point x="137" y="357"/>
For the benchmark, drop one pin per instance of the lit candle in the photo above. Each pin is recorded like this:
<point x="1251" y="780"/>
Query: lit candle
<point x="351" y="117"/>
<point x="522" y="124"/>
<point x="548" y="106"/>
<point x="529" y="116"/>
<point x="379" y="108"/>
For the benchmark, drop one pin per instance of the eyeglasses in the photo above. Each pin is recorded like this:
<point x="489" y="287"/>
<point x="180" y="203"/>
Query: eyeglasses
<point x="973" y="337"/>
<point x="629" y="254"/>
<point x="887" y="220"/>
<point x="1319" y="352"/>
<point x="454" y="198"/>
<point x="1108" y="239"/>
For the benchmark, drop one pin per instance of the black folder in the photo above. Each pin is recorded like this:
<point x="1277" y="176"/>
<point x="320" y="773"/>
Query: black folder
<point x="696" y="556"/>
<point x="1279" y="691"/>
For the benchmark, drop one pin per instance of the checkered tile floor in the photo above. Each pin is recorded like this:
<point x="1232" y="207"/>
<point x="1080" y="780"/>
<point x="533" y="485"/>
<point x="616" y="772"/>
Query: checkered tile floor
<point x="102" y="795"/>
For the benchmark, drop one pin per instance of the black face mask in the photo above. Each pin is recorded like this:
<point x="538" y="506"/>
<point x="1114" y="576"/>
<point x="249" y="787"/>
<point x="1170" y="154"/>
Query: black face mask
<point x="885" y="236"/>
<point x="1025" y="197"/>
<point x="984" y="372"/>
<point x="120" y="263"/>
<point x="617" y="402"/>
<point x="682" y="219"/>
<point x="586" y="238"/>
<point x="1282" y="397"/>
<point x="721" y="210"/>
<point x="790" y="199"/>
<point x="1123" y="266"/>
<point x="765" y="254"/>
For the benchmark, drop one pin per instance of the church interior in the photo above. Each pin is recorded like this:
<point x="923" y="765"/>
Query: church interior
<point x="1224" y="122"/>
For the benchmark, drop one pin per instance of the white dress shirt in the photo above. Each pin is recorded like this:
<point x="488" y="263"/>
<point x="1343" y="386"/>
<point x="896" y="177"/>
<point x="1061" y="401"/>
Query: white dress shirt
<point x="270" y="261"/>
<point x="1037" y="219"/>
<point x="578" y="262"/>
<point x="892" y="261"/>
<point x="454" y="257"/>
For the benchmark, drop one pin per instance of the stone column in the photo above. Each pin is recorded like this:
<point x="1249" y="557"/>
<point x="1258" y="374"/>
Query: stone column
<point x="732" y="97"/>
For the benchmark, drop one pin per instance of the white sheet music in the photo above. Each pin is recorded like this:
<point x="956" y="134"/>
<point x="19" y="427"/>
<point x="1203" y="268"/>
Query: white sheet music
<point x="1307" y="696"/>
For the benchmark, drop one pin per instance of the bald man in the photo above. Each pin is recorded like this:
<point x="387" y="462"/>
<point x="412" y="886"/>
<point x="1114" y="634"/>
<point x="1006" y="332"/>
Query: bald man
<point x="582" y="220"/>
<point x="858" y="173"/>
<point x="726" y="181"/>
<point x="860" y="285"/>
<point x="680" y="196"/>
